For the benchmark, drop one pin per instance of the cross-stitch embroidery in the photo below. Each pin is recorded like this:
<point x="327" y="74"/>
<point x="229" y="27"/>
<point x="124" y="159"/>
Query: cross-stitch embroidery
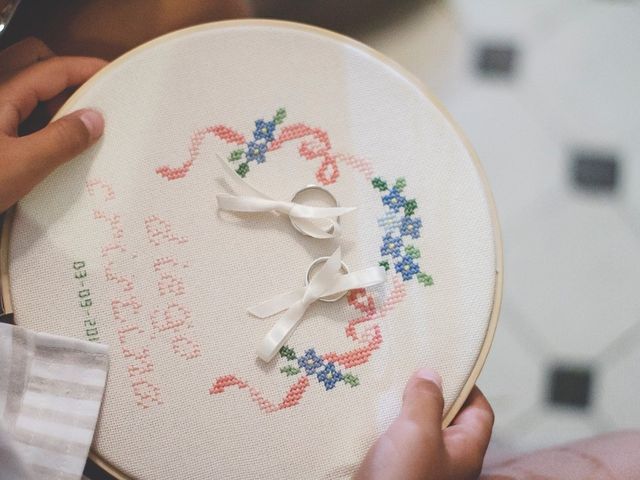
<point x="327" y="366"/>
<point x="313" y="365"/>
<point x="256" y="149"/>
<point x="400" y="226"/>
<point x="314" y="143"/>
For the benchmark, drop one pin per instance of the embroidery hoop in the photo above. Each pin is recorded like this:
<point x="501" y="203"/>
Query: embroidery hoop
<point x="484" y="350"/>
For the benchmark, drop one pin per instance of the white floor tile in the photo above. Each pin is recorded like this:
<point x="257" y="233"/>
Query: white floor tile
<point x="573" y="271"/>
<point x="618" y="385"/>
<point x="630" y="184"/>
<point x="513" y="377"/>
<point x="582" y="80"/>
<point x="525" y="19"/>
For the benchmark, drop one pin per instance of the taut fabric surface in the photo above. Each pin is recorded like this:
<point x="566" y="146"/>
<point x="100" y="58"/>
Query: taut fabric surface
<point x="133" y="226"/>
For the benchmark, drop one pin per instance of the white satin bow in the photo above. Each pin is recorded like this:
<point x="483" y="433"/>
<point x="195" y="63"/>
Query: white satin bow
<point x="317" y="222"/>
<point x="327" y="229"/>
<point x="326" y="282"/>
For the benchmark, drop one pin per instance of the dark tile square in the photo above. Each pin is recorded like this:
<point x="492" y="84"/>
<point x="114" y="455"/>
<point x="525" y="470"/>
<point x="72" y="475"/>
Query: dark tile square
<point x="570" y="386"/>
<point x="496" y="60"/>
<point x="595" y="170"/>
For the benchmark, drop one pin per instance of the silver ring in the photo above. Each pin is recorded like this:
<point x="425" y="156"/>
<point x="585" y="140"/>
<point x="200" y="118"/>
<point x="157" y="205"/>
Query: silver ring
<point x="332" y="201"/>
<point x="344" y="268"/>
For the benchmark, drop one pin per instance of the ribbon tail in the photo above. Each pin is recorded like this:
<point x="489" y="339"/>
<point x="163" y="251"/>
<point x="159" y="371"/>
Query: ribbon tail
<point x="328" y="271"/>
<point x="281" y="331"/>
<point x="361" y="279"/>
<point x="277" y="304"/>
<point x="250" y="204"/>
<point x="241" y="184"/>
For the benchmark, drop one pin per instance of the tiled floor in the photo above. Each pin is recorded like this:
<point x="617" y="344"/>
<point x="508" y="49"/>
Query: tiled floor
<point x="549" y="94"/>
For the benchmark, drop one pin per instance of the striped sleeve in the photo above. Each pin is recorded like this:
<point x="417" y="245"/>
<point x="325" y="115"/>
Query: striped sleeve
<point x="51" y="390"/>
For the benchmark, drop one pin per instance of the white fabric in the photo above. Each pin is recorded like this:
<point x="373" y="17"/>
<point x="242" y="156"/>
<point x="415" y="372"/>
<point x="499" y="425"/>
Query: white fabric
<point x="171" y="277"/>
<point x="43" y="378"/>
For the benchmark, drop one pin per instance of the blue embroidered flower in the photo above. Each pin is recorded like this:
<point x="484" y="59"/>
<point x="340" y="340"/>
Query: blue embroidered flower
<point x="389" y="221"/>
<point x="398" y="225"/>
<point x="411" y="226"/>
<point x="407" y="268"/>
<point x="394" y="200"/>
<point x="256" y="151"/>
<point x="329" y="376"/>
<point x="264" y="130"/>
<point x="310" y="361"/>
<point x="391" y="245"/>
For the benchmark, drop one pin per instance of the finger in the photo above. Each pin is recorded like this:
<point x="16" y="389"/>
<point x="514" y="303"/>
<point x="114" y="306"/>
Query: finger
<point x="412" y="445"/>
<point x="22" y="54"/>
<point x="422" y="402"/>
<point x="63" y="139"/>
<point x="32" y="158"/>
<point x="467" y="439"/>
<point x="39" y="82"/>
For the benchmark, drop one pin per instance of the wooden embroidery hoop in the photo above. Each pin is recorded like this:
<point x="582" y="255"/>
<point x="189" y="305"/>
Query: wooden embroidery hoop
<point x="6" y="307"/>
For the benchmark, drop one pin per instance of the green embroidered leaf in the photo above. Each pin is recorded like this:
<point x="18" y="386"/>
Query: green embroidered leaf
<point x="425" y="279"/>
<point x="384" y="264"/>
<point x="351" y="379"/>
<point x="236" y="155"/>
<point x="379" y="184"/>
<point x="410" y="207"/>
<point x="412" y="251"/>
<point x="243" y="169"/>
<point x="288" y="353"/>
<point x="280" y="115"/>
<point x="290" y="370"/>
<point x="400" y="184"/>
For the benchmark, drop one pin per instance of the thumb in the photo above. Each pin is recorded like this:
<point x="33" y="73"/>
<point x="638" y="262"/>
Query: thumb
<point x="423" y="403"/>
<point x="62" y="140"/>
<point x="29" y="159"/>
<point x="412" y="447"/>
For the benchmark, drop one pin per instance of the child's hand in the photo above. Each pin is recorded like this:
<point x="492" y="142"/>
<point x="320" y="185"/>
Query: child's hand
<point x="416" y="448"/>
<point x="29" y="74"/>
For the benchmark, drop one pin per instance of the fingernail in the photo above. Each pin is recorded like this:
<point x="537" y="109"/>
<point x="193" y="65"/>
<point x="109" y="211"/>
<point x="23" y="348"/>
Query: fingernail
<point x="430" y="375"/>
<point x="93" y="121"/>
